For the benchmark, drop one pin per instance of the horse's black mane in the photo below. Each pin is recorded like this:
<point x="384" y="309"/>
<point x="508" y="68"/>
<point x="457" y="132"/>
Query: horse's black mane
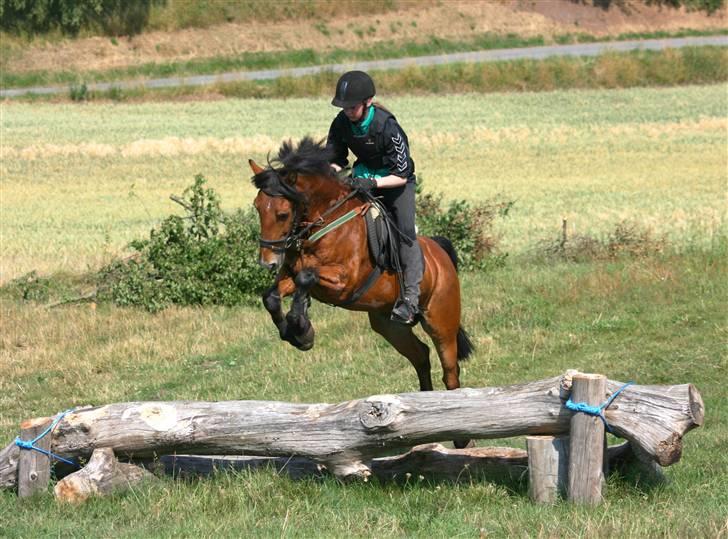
<point x="309" y="157"/>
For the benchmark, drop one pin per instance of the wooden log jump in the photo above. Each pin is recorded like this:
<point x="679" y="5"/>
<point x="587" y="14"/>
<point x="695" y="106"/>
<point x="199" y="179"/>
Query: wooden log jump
<point x="345" y="437"/>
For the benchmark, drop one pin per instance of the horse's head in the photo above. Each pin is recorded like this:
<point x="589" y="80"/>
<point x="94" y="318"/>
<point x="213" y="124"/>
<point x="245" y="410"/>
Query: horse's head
<point x="276" y="203"/>
<point x="301" y="181"/>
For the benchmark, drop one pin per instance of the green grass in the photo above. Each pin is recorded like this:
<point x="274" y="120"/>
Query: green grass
<point x="656" y="320"/>
<point x="80" y="181"/>
<point x="309" y="57"/>
<point x="652" y="156"/>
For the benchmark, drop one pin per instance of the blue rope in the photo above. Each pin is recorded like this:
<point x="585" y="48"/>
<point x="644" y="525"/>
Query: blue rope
<point x="30" y="444"/>
<point x="596" y="410"/>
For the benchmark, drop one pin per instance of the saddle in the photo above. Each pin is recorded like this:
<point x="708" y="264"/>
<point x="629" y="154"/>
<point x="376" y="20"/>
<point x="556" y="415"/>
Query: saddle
<point x="383" y="239"/>
<point x="379" y="237"/>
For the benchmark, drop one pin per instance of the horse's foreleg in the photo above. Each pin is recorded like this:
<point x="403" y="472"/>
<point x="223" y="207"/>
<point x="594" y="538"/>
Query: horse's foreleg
<point x="300" y="330"/>
<point x="272" y="302"/>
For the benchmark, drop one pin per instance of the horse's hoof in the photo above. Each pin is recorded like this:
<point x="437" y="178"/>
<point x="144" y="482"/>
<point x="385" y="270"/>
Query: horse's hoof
<point x="305" y="342"/>
<point x="283" y="331"/>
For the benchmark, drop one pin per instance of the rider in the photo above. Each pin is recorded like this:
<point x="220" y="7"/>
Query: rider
<point x="383" y="165"/>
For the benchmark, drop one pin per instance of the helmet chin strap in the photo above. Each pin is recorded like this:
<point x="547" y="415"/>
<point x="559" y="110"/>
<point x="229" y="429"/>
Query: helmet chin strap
<point x="364" y="111"/>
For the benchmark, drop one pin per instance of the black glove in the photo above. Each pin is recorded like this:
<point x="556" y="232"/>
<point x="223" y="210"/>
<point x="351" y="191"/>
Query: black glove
<point x="365" y="184"/>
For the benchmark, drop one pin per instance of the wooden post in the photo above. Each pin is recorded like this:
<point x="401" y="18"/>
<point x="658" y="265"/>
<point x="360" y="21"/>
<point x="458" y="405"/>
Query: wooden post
<point x="548" y="458"/>
<point x="34" y="468"/>
<point x="586" y="448"/>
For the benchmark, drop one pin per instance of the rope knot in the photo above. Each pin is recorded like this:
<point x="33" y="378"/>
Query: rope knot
<point x="30" y="444"/>
<point x="597" y="411"/>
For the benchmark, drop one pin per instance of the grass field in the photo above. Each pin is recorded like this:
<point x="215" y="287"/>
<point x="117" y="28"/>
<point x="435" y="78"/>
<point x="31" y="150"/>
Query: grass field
<point x="93" y="177"/>
<point x="78" y="182"/>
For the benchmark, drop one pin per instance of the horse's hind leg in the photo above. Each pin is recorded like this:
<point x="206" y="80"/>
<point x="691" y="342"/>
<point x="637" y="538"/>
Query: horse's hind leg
<point x="444" y="335"/>
<point x="406" y="343"/>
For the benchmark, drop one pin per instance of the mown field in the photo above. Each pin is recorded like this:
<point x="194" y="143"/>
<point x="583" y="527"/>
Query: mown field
<point x="80" y="181"/>
<point x="92" y="178"/>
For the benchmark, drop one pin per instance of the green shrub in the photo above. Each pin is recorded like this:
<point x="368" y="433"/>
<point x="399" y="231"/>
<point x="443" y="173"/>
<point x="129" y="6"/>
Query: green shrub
<point x="205" y="258"/>
<point x="468" y="226"/>
<point x="78" y="92"/>
<point x="210" y="258"/>
<point x="114" y="17"/>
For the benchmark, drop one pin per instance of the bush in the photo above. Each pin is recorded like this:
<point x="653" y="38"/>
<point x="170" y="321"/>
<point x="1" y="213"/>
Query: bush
<point x="468" y="226"/>
<point x="114" y="17"/>
<point x="204" y="258"/>
<point x="210" y="258"/>
<point x="626" y="240"/>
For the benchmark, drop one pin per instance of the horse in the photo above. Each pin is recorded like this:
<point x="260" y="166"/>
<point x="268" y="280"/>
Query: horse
<point x="299" y="196"/>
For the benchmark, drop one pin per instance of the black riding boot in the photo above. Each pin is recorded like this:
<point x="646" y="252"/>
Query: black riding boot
<point x="400" y="202"/>
<point x="407" y="311"/>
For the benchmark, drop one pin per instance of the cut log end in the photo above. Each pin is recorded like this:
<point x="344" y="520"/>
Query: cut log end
<point x="350" y="471"/>
<point x="669" y="450"/>
<point x="35" y="423"/>
<point x="102" y="476"/>
<point x="697" y="408"/>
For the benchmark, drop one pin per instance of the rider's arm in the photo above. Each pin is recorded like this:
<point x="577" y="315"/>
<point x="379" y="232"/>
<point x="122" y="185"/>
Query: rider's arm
<point x="387" y="182"/>
<point x="335" y="143"/>
<point x="396" y="156"/>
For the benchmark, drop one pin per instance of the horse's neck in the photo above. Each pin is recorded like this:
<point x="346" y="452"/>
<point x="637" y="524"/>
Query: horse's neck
<point x="323" y="196"/>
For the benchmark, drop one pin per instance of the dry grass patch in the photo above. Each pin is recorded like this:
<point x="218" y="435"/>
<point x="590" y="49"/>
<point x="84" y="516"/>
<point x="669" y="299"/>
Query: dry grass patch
<point x="342" y="25"/>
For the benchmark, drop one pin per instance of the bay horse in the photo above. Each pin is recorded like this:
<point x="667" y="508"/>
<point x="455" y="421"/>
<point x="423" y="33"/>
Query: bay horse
<point x="300" y="194"/>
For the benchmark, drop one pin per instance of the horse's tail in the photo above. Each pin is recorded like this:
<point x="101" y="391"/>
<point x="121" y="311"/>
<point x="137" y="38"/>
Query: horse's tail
<point x="465" y="345"/>
<point x="448" y="247"/>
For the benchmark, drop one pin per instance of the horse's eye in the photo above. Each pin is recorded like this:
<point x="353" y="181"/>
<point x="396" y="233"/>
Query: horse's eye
<point x="282" y="215"/>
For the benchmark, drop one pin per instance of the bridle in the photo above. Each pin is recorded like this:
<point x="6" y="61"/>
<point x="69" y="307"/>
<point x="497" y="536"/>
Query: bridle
<point x="293" y="241"/>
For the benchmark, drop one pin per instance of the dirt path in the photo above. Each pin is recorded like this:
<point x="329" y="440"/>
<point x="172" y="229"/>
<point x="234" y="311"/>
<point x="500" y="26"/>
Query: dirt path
<point x="451" y="19"/>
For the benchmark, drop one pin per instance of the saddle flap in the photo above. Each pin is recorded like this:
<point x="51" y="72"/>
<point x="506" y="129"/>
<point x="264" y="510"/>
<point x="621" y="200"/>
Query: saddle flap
<point x="379" y="238"/>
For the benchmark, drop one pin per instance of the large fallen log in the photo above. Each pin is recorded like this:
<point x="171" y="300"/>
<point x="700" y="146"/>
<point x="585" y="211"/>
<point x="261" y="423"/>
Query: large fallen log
<point x="346" y="436"/>
<point x="429" y="461"/>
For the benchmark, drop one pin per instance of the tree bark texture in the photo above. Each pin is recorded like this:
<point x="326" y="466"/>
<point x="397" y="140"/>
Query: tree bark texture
<point x="34" y="467"/>
<point x="345" y="436"/>
<point x="428" y="461"/>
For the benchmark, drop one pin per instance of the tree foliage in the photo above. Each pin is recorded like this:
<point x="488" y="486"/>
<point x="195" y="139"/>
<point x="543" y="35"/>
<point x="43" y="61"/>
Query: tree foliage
<point x="204" y="258"/>
<point x="113" y="17"/>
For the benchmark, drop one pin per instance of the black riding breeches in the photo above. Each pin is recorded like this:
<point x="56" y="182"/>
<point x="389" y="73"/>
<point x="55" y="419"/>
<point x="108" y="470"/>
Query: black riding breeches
<point x="400" y="201"/>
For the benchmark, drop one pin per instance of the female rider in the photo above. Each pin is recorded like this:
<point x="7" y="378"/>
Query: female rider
<point x="383" y="165"/>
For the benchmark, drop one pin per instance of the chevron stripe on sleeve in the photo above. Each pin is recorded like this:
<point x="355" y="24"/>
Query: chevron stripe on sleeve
<point x="400" y="149"/>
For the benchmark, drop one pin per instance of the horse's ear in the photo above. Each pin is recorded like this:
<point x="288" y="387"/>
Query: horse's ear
<point x="254" y="167"/>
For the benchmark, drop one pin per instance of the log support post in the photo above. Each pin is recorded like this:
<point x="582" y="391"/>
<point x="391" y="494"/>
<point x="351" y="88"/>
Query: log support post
<point x="34" y="468"/>
<point x="548" y="458"/>
<point x="587" y="441"/>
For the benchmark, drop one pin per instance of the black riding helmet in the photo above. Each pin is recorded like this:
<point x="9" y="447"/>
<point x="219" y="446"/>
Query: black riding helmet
<point x="353" y="87"/>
